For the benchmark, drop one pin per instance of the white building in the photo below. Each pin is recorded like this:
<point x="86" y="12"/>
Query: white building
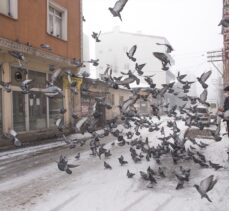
<point x="114" y="45"/>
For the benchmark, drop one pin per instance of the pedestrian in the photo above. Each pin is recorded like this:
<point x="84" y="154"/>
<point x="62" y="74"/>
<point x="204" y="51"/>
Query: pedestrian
<point x="226" y="107"/>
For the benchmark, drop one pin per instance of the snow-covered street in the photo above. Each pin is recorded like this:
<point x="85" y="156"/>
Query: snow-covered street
<point x="37" y="184"/>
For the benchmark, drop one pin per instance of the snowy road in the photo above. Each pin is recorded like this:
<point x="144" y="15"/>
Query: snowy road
<point x="35" y="183"/>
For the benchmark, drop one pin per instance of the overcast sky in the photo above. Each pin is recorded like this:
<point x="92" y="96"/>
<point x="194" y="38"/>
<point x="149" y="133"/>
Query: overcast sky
<point x="189" y="25"/>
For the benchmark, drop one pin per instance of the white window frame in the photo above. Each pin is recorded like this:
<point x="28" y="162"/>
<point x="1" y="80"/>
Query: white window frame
<point x="11" y="10"/>
<point x="64" y="22"/>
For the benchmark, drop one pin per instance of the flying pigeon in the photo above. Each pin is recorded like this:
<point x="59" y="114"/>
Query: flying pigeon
<point x="118" y="7"/>
<point x="205" y="186"/>
<point x="163" y="58"/>
<point x="203" y="78"/>
<point x="46" y="46"/>
<point x="138" y="68"/>
<point x="224" y="22"/>
<point x="131" y="53"/>
<point x="25" y="86"/>
<point x="96" y="36"/>
<point x="6" y="86"/>
<point x="169" y="47"/>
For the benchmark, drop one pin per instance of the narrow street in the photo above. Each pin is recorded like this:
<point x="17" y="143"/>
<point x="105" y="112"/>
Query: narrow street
<point x="35" y="183"/>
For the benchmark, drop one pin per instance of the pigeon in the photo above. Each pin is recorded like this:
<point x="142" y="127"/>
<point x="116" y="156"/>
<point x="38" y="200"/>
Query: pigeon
<point x="216" y="166"/>
<point x="54" y="76"/>
<point x="169" y="47"/>
<point x="46" y="46"/>
<point x="77" y="62"/>
<point x="138" y="68"/>
<point x="163" y="58"/>
<point x="96" y="36"/>
<point x="6" y="86"/>
<point x="18" y="55"/>
<point x="83" y="19"/>
<point x="129" y="174"/>
<point x="122" y="161"/>
<point x="205" y="186"/>
<point x="118" y="7"/>
<point x="77" y="156"/>
<point x="224" y="22"/>
<point x="60" y="124"/>
<point x="52" y="91"/>
<point x="25" y="86"/>
<point x="13" y="136"/>
<point x="203" y="78"/>
<point x="62" y="110"/>
<point x="131" y="79"/>
<point x="131" y="53"/>
<point x="107" y="166"/>
<point x="64" y="166"/>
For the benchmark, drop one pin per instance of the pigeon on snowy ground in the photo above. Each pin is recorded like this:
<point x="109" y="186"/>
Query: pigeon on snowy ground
<point x="107" y="166"/>
<point x="60" y="124"/>
<point x="118" y="7"/>
<point x="96" y="36"/>
<point x="131" y="53"/>
<point x="6" y="86"/>
<point x="64" y="166"/>
<point x="203" y="78"/>
<point x="161" y="172"/>
<point x="69" y="142"/>
<point x="205" y="186"/>
<point x="77" y="156"/>
<point x="129" y="174"/>
<point x="169" y="47"/>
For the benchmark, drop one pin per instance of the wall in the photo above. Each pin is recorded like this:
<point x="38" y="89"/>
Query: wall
<point x="31" y="26"/>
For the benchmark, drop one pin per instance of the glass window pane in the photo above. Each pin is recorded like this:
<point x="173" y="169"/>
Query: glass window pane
<point x="54" y="106"/>
<point x="39" y="79"/>
<point x="51" y="9"/>
<point x="17" y="76"/>
<point x="37" y="111"/>
<point x="58" y="25"/>
<point x="4" y="7"/>
<point x="51" y="24"/>
<point x="18" y="111"/>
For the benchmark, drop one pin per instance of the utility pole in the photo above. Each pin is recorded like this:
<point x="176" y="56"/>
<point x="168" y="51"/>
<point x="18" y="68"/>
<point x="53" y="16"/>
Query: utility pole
<point x="215" y="56"/>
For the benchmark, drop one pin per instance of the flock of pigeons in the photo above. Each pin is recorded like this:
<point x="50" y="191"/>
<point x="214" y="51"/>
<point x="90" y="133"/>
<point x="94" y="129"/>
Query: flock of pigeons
<point x="172" y="145"/>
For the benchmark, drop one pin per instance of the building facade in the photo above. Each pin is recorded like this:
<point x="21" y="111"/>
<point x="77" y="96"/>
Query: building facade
<point x="114" y="45"/>
<point x="47" y="33"/>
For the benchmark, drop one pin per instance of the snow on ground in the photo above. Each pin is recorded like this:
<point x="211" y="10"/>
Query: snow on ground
<point x="92" y="188"/>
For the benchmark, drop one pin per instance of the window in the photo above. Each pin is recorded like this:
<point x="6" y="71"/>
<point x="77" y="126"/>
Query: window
<point x="57" y="21"/>
<point x="17" y="76"/>
<point x="9" y="8"/>
<point x="19" y="111"/>
<point x="39" y="79"/>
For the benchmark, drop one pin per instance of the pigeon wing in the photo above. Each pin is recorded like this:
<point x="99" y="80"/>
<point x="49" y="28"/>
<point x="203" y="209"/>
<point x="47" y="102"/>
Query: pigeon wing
<point x="205" y="183"/>
<point x="119" y="5"/>
<point x="203" y="95"/>
<point x="132" y="50"/>
<point x="55" y="75"/>
<point x="205" y="76"/>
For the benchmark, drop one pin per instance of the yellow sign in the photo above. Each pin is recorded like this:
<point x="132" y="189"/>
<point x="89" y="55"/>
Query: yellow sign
<point x="78" y="81"/>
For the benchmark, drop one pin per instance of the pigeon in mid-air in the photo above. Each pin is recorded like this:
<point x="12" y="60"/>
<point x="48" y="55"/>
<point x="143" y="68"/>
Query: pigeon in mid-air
<point x="129" y="174"/>
<point x="131" y="53"/>
<point x="107" y="166"/>
<point x="205" y="186"/>
<point x="25" y="86"/>
<point x="163" y="58"/>
<point x="169" y="47"/>
<point x="83" y="19"/>
<point x="118" y="7"/>
<point x="203" y="78"/>
<point x="46" y="46"/>
<point x="6" y="86"/>
<point x="224" y="22"/>
<point x="96" y="36"/>
<point x="138" y="68"/>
